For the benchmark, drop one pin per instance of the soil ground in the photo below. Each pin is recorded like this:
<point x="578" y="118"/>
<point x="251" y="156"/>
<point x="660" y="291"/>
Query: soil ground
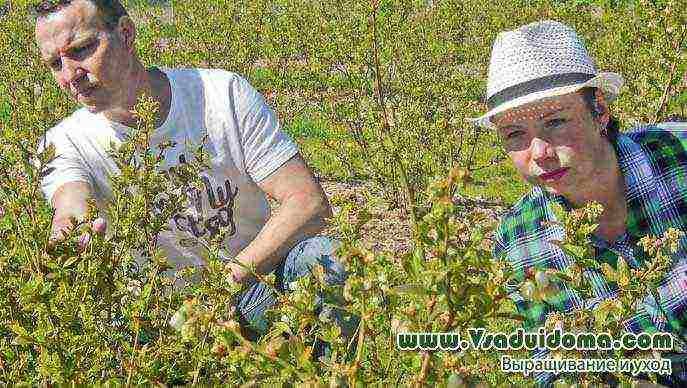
<point x="390" y="229"/>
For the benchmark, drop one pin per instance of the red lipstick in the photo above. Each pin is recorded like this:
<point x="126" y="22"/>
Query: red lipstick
<point x="553" y="175"/>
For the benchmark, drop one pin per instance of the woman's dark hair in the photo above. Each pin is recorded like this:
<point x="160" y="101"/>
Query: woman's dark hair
<point x="613" y="126"/>
<point x="109" y="10"/>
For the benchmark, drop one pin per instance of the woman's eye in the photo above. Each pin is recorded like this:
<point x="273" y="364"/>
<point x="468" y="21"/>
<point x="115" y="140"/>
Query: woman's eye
<point x="515" y="140"/>
<point x="514" y="135"/>
<point x="555" y="122"/>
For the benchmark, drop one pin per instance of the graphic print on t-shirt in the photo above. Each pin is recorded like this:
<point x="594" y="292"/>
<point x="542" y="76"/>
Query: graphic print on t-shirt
<point x="201" y="222"/>
<point x="223" y="204"/>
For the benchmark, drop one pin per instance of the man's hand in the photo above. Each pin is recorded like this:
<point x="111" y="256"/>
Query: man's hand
<point x="99" y="226"/>
<point x="70" y="202"/>
<point x="238" y="273"/>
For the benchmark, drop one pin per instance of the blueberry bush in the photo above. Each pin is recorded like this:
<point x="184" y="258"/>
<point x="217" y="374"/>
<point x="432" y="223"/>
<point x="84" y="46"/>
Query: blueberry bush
<point x="375" y="91"/>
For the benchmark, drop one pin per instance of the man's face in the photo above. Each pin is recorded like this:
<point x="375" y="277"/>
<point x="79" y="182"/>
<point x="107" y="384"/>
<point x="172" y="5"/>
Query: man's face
<point x="556" y="143"/>
<point x="87" y="60"/>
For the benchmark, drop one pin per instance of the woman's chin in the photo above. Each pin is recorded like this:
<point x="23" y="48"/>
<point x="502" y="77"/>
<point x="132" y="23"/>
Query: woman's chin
<point x="553" y="190"/>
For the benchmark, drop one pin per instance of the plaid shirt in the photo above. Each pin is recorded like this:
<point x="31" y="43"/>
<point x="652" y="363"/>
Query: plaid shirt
<point x="653" y="161"/>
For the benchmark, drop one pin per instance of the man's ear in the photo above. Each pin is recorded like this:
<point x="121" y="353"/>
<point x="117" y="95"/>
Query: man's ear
<point x="127" y="32"/>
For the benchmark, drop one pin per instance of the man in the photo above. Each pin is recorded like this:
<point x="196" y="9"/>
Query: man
<point x="89" y="46"/>
<point x="549" y="106"/>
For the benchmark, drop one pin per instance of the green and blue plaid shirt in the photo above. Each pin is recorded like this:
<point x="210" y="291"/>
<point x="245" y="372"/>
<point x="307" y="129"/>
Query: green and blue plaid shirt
<point x="653" y="161"/>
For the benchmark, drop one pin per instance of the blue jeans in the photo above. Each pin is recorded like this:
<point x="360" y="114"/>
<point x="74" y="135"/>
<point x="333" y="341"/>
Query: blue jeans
<point x="259" y="297"/>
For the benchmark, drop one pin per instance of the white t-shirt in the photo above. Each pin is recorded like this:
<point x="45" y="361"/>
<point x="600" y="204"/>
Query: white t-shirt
<point x="244" y="144"/>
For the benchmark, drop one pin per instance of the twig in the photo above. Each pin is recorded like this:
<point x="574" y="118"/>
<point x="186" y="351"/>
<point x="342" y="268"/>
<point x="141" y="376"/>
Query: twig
<point x="410" y="193"/>
<point x="671" y="77"/>
<point x="133" y="354"/>
<point x="358" y="352"/>
<point x="195" y="377"/>
<point x="426" y="358"/>
<point x="426" y="362"/>
<point x="474" y="145"/>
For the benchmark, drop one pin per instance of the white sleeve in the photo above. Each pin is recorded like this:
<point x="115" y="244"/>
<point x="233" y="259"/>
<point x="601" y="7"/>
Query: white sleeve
<point x="266" y="147"/>
<point x="67" y="165"/>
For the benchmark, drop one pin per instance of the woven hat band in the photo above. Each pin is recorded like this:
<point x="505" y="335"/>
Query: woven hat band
<point x="537" y="85"/>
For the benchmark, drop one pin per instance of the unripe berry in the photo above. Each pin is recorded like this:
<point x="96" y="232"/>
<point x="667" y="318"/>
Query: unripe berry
<point x="542" y="279"/>
<point x="84" y="239"/>
<point x="527" y="290"/>
<point x="99" y="225"/>
<point x="231" y="325"/>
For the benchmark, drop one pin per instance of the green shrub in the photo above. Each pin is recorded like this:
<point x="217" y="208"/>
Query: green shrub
<point x="377" y="90"/>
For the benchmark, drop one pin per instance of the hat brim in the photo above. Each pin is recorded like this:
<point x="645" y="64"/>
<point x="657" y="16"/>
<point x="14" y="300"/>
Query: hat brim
<point x="609" y="83"/>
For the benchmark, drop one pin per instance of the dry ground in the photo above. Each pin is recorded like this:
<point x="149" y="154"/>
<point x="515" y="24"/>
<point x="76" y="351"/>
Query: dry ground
<point x="389" y="229"/>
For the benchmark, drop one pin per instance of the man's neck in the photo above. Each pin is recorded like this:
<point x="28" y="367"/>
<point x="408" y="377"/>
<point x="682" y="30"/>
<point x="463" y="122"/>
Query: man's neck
<point x="149" y="82"/>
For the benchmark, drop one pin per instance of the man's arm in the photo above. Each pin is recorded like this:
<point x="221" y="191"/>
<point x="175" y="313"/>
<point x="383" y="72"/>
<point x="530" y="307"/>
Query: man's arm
<point x="69" y="200"/>
<point x="302" y="213"/>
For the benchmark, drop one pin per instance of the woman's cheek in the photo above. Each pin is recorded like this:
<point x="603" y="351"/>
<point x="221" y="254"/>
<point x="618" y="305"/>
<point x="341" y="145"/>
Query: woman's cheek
<point x="565" y="156"/>
<point x="522" y="164"/>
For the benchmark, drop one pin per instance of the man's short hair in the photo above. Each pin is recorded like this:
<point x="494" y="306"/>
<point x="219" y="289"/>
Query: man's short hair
<point x="110" y="11"/>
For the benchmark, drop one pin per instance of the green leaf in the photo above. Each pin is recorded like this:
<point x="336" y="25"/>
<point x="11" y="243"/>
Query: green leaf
<point x="22" y="335"/>
<point x="558" y="211"/>
<point x="71" y="260"/>
<point x="575" y="251"/>
<point x="455" y="381"/>
<point x="600" y="315"/>
<point x="279" y="328"/>
<point x="680" y="99"/>
<point x="412" y="289"/>
<point x="623" y="272"/>
<point x="179" y="318"/>
<point x="609" y="272"/>
<point x="590" y="263"/>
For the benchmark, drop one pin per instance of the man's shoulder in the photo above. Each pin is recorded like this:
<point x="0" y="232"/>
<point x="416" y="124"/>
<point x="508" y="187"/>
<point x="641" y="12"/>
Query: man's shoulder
<point x="73" y="125"/>
<point x="222" y="88"/>
<point x="186" y="75"/>
<point x="665" y="144"/>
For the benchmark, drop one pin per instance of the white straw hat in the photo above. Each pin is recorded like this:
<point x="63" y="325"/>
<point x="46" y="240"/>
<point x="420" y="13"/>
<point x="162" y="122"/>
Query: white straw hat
<point x="540" y="60"/>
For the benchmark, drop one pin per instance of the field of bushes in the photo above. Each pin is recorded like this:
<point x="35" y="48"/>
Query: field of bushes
<point x="376" y="93"/>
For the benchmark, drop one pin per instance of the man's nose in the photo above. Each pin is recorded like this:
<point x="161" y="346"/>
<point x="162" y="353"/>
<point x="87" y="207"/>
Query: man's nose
<point x="540" y="149"/>
<point x="71" y="71"/>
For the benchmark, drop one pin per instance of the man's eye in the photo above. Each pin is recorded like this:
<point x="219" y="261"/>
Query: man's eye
<point x="56" y="64"/>
<point x="80" y="51"/>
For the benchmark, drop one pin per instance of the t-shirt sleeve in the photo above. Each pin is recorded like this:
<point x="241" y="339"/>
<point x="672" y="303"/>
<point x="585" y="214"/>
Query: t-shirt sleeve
<point x="266" y="147"/>
<point x="66" y="166"/>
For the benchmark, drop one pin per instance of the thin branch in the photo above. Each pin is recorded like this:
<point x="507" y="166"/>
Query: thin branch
<point x="410" y="192"/>
<point x="671" y="77"/>
<point x="426" y="363"/>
